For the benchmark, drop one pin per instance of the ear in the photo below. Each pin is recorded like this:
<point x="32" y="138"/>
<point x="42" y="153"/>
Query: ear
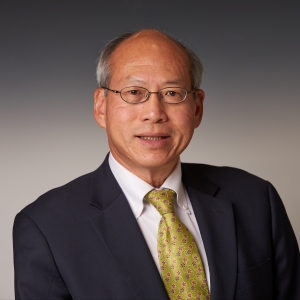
<point x="199" y="107"/>
<point x="100" y="107"/>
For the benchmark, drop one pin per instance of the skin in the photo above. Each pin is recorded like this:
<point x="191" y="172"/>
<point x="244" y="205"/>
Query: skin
<point x="150" y="60"/>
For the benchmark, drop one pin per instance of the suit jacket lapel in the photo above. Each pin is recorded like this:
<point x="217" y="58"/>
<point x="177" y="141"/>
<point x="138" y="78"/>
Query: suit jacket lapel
<point x="216" y="222"/>
<point x="117" y="228"/>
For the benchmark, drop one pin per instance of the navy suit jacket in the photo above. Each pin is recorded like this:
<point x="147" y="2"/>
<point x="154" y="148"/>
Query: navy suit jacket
<point x="82" y="241"/>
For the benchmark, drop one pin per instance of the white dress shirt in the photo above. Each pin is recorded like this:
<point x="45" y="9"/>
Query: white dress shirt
<point x="146" y="214"/>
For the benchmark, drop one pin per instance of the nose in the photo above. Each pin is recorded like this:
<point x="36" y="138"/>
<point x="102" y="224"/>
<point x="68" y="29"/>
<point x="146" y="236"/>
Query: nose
<point x="153" y="110"/>
<point x="158" y="94"/>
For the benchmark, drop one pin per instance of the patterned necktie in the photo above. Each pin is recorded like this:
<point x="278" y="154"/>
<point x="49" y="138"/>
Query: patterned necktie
<point x="179" y="258"/>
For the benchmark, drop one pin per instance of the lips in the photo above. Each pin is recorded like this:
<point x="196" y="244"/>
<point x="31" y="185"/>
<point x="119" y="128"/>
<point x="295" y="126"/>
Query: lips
<point x="152" y="138"/>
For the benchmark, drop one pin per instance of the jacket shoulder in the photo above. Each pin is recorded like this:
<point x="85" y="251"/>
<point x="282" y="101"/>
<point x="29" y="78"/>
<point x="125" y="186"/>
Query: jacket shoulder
<point x="221" y="174"/>
<point x="73" y="194"/>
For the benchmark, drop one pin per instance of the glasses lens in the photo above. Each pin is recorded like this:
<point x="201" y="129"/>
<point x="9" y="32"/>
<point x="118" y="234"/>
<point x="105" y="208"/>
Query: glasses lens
<point x="134" y="94"/>
<point x="172" y="94"/>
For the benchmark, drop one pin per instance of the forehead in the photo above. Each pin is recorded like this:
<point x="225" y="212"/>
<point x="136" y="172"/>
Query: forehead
<point x="150" y="54"/>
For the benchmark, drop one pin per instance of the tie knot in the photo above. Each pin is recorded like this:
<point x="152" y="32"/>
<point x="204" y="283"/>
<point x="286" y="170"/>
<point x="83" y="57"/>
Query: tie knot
<point x="162" y="200"/>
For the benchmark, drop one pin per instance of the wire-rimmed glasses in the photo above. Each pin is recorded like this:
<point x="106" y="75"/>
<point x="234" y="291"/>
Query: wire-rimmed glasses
<point x="137" y="94"/>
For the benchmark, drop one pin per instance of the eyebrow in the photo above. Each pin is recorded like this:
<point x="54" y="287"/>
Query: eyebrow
<point x="176" y="81"/>
<point x="137" y="80"/>
<point x="134" y="79"/>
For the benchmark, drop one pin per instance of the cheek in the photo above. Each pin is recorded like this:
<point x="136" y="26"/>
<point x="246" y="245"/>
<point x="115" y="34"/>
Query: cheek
<point x="185" y="121"/>
<point x="119" y="120"/>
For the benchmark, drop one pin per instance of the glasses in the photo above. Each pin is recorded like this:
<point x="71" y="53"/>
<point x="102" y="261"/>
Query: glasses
<point x="136" y="94"/>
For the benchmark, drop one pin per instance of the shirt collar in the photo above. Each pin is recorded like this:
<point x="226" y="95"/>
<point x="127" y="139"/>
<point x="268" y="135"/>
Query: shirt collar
<point x="135" y="188"/>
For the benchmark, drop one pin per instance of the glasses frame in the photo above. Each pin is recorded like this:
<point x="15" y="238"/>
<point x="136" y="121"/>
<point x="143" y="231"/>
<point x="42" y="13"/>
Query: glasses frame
<point x="147" y="96"/>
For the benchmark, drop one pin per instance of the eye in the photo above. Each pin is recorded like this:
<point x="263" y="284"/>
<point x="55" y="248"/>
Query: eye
<point x="171" y="93"/>
<point x="134" y="92"/>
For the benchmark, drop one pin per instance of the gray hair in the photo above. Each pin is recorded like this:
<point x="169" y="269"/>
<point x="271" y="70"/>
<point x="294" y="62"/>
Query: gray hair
<point x="103" y="71"/>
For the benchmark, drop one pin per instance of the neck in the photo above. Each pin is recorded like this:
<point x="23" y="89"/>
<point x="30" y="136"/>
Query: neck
<point x="156" y="179"/>
<point x="154" y="176"/>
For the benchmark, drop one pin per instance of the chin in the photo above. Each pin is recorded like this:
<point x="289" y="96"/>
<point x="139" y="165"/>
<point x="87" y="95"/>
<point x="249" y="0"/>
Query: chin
<point x="155" y="162"/>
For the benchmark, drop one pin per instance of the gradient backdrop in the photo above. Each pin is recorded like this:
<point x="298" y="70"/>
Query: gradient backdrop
<point x="250" y="52"/>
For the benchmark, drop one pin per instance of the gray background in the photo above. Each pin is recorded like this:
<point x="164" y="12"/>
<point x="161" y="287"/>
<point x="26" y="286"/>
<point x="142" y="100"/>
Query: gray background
<point x="250" y="51"/>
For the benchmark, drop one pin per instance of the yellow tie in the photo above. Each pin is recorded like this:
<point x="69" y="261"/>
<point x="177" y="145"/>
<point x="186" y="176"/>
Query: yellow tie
<point x="179" y="258"/>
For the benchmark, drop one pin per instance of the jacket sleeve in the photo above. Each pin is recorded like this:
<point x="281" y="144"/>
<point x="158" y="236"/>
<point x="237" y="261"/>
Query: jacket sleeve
<point x="286" y="251"/>
<point x="36" y="274"/>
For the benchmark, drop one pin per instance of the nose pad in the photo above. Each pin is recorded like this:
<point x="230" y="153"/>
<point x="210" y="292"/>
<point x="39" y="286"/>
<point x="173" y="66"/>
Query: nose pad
<point x="159" y="95"/>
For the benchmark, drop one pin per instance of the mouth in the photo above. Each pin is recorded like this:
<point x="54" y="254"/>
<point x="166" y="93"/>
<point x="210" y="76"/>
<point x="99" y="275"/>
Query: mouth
<point x="152" y="138"/>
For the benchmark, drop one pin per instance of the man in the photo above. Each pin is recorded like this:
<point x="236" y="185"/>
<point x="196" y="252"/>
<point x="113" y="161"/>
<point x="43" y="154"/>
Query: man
<point x="103" y="236"/>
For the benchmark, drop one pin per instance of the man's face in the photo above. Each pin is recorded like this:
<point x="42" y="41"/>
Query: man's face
<point x="149" y="135"/>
